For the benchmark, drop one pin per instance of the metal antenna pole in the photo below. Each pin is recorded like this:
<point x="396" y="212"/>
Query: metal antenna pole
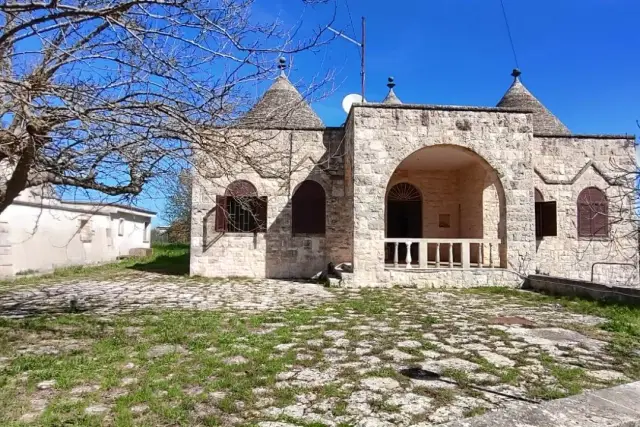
<point x="362" y="46"/>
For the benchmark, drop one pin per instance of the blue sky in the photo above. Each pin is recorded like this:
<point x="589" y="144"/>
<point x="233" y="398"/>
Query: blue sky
<point x="579" y="57"/>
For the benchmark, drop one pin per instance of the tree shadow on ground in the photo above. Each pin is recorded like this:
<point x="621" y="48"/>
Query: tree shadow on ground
<point x="171" y="259"/>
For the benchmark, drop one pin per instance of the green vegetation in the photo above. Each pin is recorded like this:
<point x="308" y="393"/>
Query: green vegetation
<point x="171" y="259"/>
<point x="622" y="320"/>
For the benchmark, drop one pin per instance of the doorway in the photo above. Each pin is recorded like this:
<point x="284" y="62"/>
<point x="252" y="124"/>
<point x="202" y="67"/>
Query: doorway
<point x="404" y="220"/>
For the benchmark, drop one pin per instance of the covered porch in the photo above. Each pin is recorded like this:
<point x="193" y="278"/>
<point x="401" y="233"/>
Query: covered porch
<point x="444" y="209"/>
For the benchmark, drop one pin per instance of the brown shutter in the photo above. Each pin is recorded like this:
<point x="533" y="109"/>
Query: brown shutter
<point x="221" y="215"/>
<point x="584" y="220"/>
<point x="549" y="219"/>
<point x="546" y="219"/>
<point x="261" y="213"/>
<point x="600" y="220"/>
<point x="538" y="219"/>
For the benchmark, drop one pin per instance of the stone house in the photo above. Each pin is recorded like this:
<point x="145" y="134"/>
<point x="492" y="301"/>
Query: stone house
<point x="412" y="194"/>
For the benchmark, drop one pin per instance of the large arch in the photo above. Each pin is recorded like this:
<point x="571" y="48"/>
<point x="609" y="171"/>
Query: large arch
<point x="386" y="136"/>
<point x="462" y="198"/>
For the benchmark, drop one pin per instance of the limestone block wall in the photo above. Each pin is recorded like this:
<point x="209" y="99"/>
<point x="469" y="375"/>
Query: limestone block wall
<point x="309" y="154"/>
<point x="594" y="161"/>
<point x="384" y="135"/>
<point x="440" y="195"/>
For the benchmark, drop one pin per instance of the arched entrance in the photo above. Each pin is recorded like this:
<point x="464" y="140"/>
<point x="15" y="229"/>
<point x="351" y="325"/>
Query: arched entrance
<point x="404" y="219"/>
<point x="445" y="206"/>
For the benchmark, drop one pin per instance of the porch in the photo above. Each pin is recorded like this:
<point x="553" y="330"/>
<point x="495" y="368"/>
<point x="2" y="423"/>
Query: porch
<point x="444" y="209"/>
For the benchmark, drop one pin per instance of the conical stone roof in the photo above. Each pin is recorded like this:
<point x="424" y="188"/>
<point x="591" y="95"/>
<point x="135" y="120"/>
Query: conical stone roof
<point x="544" y="122"/>
<point x="281" y="107"/>
<point x="391" y="96"/>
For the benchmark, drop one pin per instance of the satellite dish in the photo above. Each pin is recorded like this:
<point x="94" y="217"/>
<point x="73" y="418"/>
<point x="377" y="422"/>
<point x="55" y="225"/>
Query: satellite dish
<point x="351" y="99"/>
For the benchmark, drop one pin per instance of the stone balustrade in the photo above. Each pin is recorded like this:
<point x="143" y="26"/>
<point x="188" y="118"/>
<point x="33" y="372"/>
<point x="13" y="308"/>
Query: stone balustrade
<point x="442" y="253"/>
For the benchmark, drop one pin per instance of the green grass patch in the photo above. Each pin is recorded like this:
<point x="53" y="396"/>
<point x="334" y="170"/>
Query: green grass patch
<point x="170" y="259"/>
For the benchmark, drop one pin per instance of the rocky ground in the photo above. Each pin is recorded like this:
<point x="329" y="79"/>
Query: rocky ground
<point x="152" y="351"/>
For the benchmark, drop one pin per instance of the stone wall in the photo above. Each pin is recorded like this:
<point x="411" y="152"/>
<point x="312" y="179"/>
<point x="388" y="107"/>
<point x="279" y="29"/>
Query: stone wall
<point x="297" y="156"/>
<point x="564" y="167"/>
<point x="583" y="289"/>
<point x="440" y="192"/>
<point x="6" y="257"/>
<point x="455" y="278"/>
<point x="385" y="135"/>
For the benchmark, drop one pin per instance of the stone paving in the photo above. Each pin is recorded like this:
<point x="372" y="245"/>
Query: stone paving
<point x="422" y="358"/>
<point x="128" y="294"/>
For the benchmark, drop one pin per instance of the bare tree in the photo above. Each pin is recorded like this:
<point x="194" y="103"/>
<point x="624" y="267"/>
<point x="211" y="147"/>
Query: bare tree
<point x="177" y="211"/>
<point x="104" y="95"/>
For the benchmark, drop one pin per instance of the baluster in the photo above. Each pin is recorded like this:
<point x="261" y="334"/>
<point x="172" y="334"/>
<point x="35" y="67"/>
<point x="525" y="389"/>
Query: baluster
<point x="395" y="254"/>
<point x="491" y="255"/>
<point x="466" y="249"/>
<point x="450" y="255"/>
<point x="437" y="255"/>
<point x="408" y="258"/>
<point x="480" y="259"/>
<point x="423" y="254"/>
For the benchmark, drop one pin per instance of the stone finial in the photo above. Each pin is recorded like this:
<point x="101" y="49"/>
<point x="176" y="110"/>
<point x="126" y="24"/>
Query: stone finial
<point x="391" y="83"/>
<point x="391" y="96"/>
<point x="516" y="73"/>
<point x="282" y="65"/>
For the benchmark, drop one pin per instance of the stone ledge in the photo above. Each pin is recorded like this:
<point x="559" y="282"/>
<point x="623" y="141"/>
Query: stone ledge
<point x="582" y="288"/>
<point x="442" y="107"/>
<point x="612" y="407"/>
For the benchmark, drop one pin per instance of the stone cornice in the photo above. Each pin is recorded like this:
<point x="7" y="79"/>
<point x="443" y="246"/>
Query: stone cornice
<point x="571" y="181"/>
<point x="585" y="136"/>
<point x="442" y="107"/>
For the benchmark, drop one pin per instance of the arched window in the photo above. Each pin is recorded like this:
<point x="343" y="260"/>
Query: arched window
<point x="538" y="196"/>
<point x="593" y="213"/>
<point x="241" y="209"/>
<point x="308" y="209"/>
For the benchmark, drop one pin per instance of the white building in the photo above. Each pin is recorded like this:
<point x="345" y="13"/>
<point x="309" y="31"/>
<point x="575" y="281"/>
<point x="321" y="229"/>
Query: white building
<point x="40" y="234"/>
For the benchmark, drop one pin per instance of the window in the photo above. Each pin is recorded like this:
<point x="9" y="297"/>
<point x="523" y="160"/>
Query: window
<point x="444" y="221"/>
<point x="593" y="213"/>
<point x="121" y="227"/>
<point x="85" y="231"/>
<point x="546" y="217"/>
<point x="241" y="210"/>
<point x="145" y="237"/>
<point x="308" y="209"/>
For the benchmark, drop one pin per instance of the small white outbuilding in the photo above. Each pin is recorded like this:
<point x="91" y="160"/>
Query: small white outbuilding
<point x="39" y="233"/>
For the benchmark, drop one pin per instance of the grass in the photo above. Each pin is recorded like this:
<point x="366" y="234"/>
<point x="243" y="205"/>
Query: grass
<point x="170" y="259"/>
<point x="621" y="320"/>
<point x="178" y="387"/>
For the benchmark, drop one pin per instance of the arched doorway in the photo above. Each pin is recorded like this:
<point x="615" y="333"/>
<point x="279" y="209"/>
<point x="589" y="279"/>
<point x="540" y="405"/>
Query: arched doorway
<point x="450" y="203"/>
<point x="404" y="219"/>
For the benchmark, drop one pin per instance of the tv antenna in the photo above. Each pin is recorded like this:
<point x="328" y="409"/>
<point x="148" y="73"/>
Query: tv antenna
<point x="361" y="45"/>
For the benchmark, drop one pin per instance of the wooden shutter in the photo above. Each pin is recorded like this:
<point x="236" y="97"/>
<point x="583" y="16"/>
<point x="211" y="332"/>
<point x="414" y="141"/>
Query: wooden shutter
<point x="600" y="221"/>
<point x="539" y="219"/>
<point x="221" y="214"/>
<point x="549" y="219"/>
<point x="584" y="220"/>
<point x="261" y="214"/>
<point x="546" y="219"/>
<point x="593" y="213"/>
<point x="308" y="209"/>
